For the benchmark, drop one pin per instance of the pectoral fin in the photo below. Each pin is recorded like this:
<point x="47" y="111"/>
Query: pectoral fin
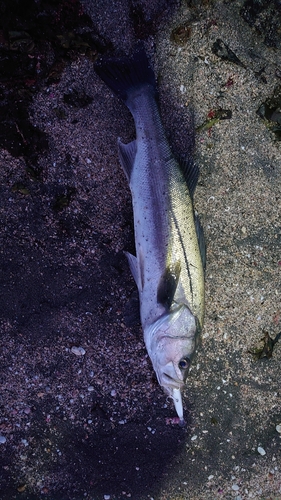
<point x="168" y="285"/>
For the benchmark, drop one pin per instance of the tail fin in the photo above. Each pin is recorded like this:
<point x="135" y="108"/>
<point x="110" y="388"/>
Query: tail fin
<point x="124" y="74"/>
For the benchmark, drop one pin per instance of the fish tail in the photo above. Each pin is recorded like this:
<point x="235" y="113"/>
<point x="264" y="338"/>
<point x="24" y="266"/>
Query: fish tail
<point x="123" y="75"/>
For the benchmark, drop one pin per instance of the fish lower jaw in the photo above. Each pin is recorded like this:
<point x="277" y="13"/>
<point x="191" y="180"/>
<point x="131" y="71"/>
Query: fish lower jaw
<point x="177" y="398"/>
<point x="169" y="384"/>
<point x="175" y="394"/>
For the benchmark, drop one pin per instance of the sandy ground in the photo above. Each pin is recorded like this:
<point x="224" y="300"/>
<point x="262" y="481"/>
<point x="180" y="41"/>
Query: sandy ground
<point x="82" y="416"/>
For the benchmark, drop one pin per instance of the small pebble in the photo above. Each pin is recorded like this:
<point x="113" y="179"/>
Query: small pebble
<point x="91" y="388"/>
<point x="193" y="438"/>
<point x="278" y="428"/>
<point x="2" y="439"/>
<point x="106" y="497"/>
<point x="78" y="351"/>
<point x="261" y="451"/>
<point x="235" y="487"/>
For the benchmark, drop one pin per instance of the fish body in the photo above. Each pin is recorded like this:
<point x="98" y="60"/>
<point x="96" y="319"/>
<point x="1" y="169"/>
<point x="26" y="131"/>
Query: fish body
<point x="169" y="264"/>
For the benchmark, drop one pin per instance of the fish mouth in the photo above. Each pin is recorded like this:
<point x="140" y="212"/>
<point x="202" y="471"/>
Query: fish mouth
<point x="169" y="377"/>
<point x="171" y="382"/>
<point x="173" y="388"/>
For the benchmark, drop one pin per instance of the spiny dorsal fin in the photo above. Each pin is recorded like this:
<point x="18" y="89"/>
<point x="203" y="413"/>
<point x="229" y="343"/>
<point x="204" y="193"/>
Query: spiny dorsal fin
<point x="127" y="154"/>
<point x="168" y="285"/>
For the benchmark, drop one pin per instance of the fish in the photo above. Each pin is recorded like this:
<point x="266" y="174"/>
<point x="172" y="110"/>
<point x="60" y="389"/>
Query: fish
<point x="169" y="264"/>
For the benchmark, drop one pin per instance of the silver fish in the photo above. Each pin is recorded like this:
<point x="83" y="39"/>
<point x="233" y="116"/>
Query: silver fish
<point x="170" y="252"/>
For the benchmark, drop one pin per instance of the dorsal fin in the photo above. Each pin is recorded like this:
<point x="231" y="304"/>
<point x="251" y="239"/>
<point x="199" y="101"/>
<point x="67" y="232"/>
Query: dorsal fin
<point x="168" y="284"/>
<point x="191" y="173"/>
<point x="201" y="240"/>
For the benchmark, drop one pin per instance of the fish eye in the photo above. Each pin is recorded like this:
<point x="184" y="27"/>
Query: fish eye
<point x="184" y="363"/>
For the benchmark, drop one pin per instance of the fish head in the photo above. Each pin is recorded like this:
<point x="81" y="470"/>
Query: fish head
<point x="171" y="342"/>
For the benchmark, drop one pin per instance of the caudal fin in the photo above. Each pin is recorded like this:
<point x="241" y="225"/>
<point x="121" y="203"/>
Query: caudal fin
<point x="124" y="74"/>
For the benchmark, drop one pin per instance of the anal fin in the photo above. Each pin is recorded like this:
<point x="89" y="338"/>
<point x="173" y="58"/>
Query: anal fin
<point x="133" y="263"/>
<point x="127" y="154"/>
